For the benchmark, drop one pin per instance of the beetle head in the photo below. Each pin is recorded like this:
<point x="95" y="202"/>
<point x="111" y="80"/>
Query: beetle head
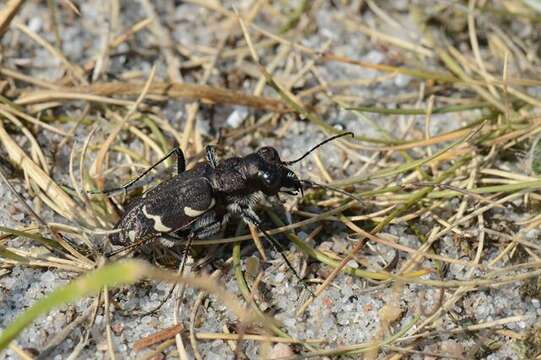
<point x="269" y="174"/>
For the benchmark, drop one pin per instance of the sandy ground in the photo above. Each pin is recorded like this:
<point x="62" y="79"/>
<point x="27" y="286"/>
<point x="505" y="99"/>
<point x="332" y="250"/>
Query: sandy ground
<point x="347" y="312"/>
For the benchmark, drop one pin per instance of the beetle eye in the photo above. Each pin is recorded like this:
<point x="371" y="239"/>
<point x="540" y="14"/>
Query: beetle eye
<point x="268" y="178"/>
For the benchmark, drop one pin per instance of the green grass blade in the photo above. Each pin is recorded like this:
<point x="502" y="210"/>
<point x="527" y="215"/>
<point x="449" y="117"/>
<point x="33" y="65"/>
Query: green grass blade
<point x="401" y="169"/>
<point x="36" y="237"/>
<point x="409" y="111"/>
<point x="7" y="254"/>
<point x="122" y="272"/>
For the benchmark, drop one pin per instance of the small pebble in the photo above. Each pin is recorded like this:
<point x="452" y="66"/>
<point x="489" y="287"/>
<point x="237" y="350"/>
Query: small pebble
<point x="236" y="118"/>
<point x="280" y="350"/>
<point x="279" y="277"/>
<point x="35" y="24"/>
<point x="401" y="80"/>
<point x="375" y="57"/>
<point x="290" y="322"/>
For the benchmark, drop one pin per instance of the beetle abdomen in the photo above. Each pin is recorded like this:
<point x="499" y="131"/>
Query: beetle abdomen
<point x="170" y="206"/>
<point x="134" y="226"/>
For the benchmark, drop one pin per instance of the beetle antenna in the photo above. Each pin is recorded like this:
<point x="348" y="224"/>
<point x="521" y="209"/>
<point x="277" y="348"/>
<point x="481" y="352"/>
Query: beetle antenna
<point x="310" y="184"/>
<point x="318" y="145"/>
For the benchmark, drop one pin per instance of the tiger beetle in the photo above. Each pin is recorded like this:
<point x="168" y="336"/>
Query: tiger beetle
<point x="201" y="200"/>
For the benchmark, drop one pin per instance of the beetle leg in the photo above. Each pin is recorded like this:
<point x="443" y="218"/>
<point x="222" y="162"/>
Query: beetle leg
<point x="290" y="192"/>
<point x="181" y="161"/>
<point x="209" y="230"/>
<point x="167" y="242"/>
<point x="211" y="156"/>
<point x="250" y="217"/>
<point x="131" y="247"/>
<point x="206" y="226"/>
<point x="181" y="167"/>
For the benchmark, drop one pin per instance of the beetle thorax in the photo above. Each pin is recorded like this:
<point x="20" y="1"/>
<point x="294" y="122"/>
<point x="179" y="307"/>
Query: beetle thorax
<point x="229" y="177"/>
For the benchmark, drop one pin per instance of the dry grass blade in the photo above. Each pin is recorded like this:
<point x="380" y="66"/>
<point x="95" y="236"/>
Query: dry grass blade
<point x="21" y="353"/>
<point x="133" y="30"/>
<point x="11" y="73"/>
<point x="391" y="39"/>
<point x="157" y="337"/>
<point x="60" y="241"/>
<point x="5" y="110"/>
<point x="165" y="41"/>
<point x="100" y="158"/>
<point x="75" y="70"/>
<point x="7" y="13"/>
<point x="238" y="337"/>
<point x="128" y="271"/>
<point x="187" y="92"/>
<point x="444" y="171"/>
<point x="69" y="209"/>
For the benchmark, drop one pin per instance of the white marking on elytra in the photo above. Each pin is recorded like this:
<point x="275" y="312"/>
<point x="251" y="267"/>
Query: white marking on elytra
<point x="195" y="213"/>
<point x="158" y="225"/>
<point x="132" y="234"/>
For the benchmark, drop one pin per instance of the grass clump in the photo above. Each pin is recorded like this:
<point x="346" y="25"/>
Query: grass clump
<point x="442" y="101"/>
